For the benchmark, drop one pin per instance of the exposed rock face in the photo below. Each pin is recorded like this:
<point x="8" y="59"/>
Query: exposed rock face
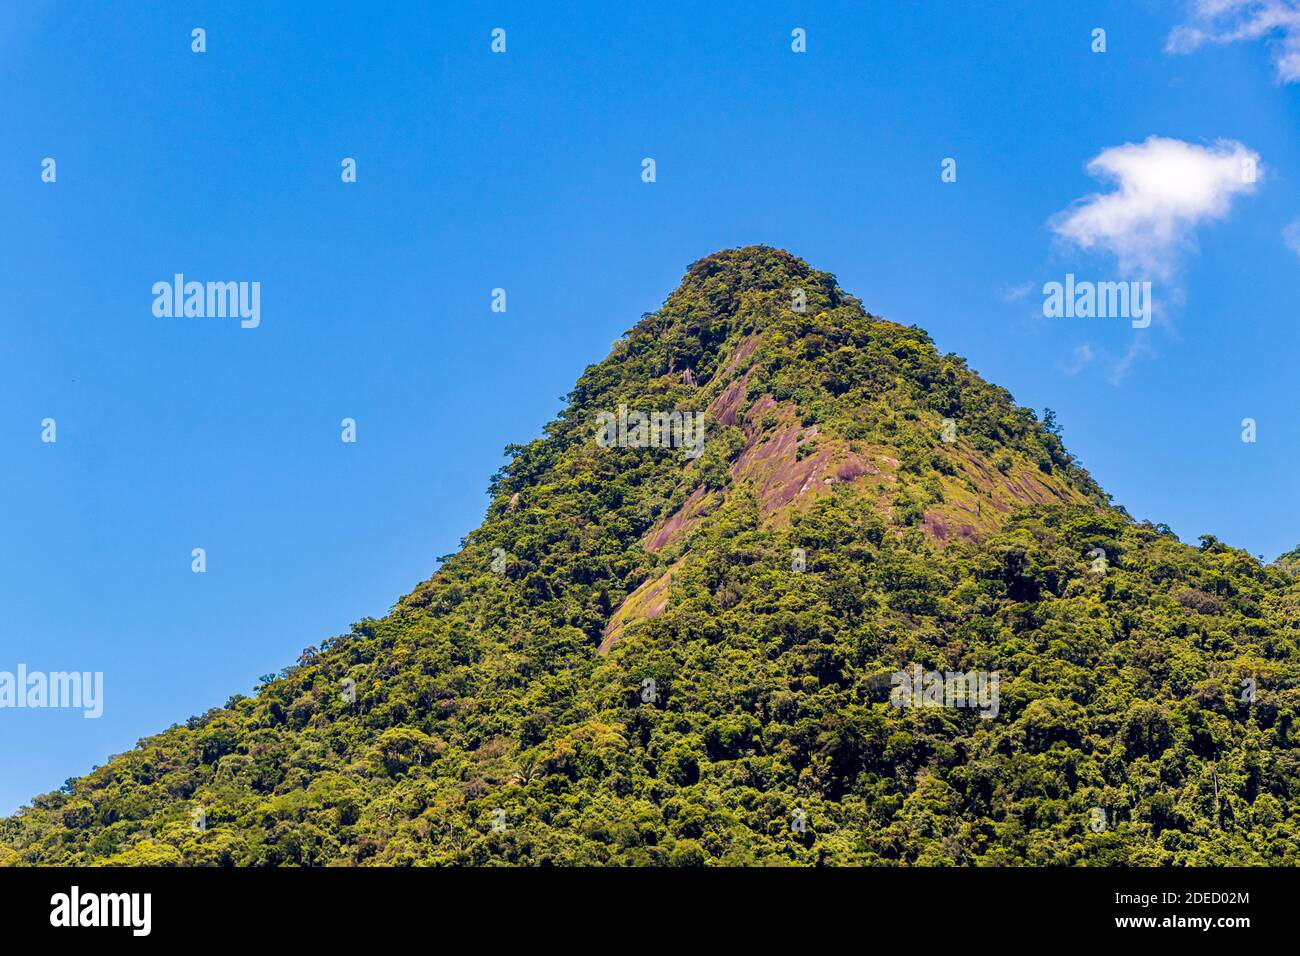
<point x="786" y="464"/>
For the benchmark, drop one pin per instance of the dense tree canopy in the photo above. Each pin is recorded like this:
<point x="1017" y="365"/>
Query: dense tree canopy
<point x="641" y="658"/>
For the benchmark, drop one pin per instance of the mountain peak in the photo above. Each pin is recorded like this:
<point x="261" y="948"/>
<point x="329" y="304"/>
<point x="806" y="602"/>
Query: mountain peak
<point x="736" y="290"/>
<point x="749" y="267"/>
<point x="653" y="651"/>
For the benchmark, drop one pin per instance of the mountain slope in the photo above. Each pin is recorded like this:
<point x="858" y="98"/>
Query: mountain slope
<point x="644" y="656"/>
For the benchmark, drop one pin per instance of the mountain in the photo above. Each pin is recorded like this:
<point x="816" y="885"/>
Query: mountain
<point x="658" y="649"/>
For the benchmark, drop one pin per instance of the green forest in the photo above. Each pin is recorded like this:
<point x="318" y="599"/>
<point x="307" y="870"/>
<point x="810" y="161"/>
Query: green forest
<point x="642" y="658"/>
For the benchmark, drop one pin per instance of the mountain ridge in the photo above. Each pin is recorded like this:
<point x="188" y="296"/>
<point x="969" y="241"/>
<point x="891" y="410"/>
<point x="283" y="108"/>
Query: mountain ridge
<point x="861" y="504"/>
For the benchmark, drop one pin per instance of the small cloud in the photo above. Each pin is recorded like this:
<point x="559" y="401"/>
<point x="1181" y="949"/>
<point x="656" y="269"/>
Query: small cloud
<point x="1165" y="189"/>
<point x="1291" y="236"/>
<point x="1116" y="369"/>
<point x="1014" y="293"/>
<point x="1082" y="358"/>
<point x="1119" y="371"/>
<point x="1241" y="21"/>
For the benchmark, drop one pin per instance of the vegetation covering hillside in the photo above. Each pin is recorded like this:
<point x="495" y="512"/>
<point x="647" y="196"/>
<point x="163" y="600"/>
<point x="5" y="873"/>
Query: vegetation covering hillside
<point x="642" y="657"/>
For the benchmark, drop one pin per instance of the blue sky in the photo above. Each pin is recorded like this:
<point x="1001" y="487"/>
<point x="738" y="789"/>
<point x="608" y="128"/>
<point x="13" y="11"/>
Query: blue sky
<point x="522" y="171"/>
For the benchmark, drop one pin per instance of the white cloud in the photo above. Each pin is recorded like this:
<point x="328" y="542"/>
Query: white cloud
<point x="1116" y="368"/>
<point x="1082" y="357"/>
<point x="1164" y="189"/>
<point x="1138" y="348"/>
<point x="1237" y="21"/>
<point x="1014" y="293"/>
<point x="1291" y="236"/>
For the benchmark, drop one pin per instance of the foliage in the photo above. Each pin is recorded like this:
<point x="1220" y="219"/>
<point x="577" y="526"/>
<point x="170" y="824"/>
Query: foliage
<point x="485" y="728"/>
